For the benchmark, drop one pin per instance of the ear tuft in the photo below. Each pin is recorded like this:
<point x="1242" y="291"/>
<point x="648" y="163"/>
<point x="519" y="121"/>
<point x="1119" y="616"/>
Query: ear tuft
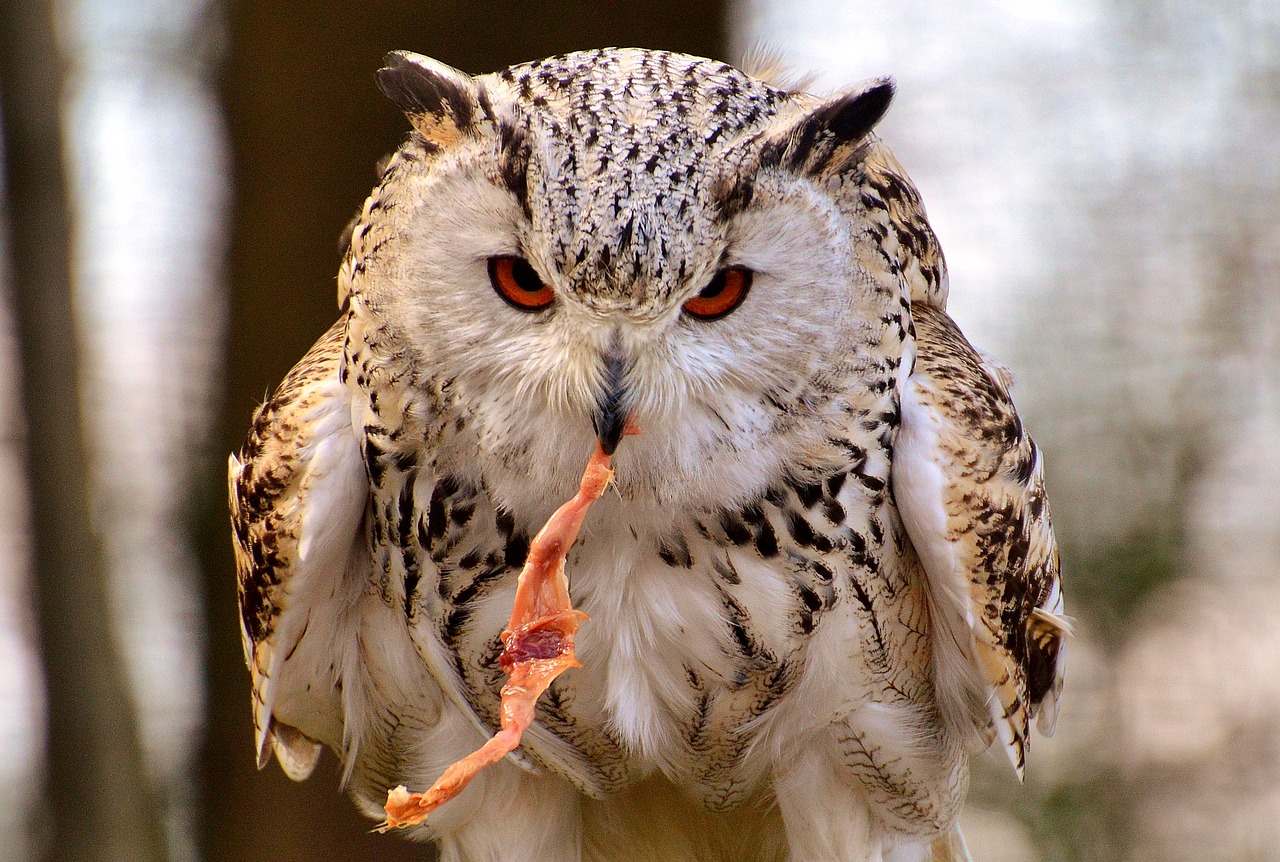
<point x="441" y="102"/>
<point x="822" y="138"/>
<point x="851" y="116"/>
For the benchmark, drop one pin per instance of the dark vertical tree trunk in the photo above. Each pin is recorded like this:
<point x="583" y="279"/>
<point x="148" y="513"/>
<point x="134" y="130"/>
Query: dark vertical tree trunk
<point x="98" y="803"/>
<point x="307" y="126"/>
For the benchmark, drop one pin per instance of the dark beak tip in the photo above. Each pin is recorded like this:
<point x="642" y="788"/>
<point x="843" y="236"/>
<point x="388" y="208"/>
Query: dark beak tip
<point x="610" y="431"/>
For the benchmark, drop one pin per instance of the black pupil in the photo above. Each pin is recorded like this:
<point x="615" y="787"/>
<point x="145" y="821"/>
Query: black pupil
<point x="715" y="288"/>
<point x="526" y="279"/>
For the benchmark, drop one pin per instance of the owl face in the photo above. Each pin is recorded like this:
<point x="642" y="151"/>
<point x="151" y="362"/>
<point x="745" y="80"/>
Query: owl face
<point x="624" y="236"/>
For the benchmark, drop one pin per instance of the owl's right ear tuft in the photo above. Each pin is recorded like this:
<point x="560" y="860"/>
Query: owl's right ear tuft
<point x="441" y="102"/>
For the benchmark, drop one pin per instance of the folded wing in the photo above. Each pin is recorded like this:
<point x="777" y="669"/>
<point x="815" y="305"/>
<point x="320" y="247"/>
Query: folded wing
<point x="298" y="495"/>
<point x="969" y="485"/>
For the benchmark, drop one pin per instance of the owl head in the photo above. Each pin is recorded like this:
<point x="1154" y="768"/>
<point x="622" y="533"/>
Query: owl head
<point x="630" y="235"/>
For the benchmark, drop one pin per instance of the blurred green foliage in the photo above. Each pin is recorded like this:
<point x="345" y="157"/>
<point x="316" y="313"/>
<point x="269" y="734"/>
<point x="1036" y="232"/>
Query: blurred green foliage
<point x="1111" y="580"/>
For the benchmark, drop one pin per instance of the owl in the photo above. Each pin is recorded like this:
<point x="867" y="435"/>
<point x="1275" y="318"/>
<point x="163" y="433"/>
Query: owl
<point x="825" y="574"/>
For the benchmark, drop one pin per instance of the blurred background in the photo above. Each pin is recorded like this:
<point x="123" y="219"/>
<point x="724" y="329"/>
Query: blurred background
<point x="1103" y="175"/>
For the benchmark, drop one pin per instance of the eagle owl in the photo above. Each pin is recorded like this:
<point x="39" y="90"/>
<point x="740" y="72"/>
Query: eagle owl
<point x="825" y="573"/>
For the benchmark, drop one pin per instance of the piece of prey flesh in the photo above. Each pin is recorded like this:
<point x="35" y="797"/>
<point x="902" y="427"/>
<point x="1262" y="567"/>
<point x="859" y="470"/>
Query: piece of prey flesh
<point x="538" y="647"/>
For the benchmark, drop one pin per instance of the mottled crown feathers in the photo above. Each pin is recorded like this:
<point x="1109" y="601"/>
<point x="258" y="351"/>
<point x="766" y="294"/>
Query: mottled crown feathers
<point x="443" y="104"/>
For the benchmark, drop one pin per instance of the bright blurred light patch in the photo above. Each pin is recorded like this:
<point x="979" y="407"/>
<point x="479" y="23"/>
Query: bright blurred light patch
<point x="148" y="169"/>
<point x="21" y="707"/>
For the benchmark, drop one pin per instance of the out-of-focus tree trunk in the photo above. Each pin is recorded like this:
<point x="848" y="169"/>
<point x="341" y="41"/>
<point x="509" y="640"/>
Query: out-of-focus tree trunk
<point x="99" y="806"/>
<point x="307" y="125"/>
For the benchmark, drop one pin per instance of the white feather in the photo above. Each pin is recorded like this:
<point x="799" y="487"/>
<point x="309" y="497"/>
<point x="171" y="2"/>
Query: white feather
<point x="918" y="485"/>
<point x="300" y="694"/>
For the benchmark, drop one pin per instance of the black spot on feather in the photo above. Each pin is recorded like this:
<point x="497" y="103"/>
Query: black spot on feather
<point x="766" y="540"/>
<point x="734" y="528"/>
<point x="675" y="553"/>
<point x="517" y="549"/>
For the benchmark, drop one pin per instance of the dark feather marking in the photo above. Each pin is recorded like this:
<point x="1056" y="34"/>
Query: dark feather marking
<point x="856" y="545"/>
<point x="373" y="453"/>
<point x="809" y="493"/>
<point x="412" y="577"/>
<point x="404" y="515"/>
<point x="811" y="603"/>
<point x="696" y="735"/>
<point x="675" y="552"/>
<point x="436" y="520"/>
<point x="870" y="481"/>
<point x="803" y="533"/>
<point x="725" y="569"/>
<point x="460" y="513"/>
<point x="513" y="143"/>
<point x="766" y="540"/>
<point x="454" y="622"/>
<point x="865" y="601"/>
<point x="834" y="511"/>
<point x="695" y="681"/>
<point x="517" y="549"/>
<point x="738" y="620"/>
<point x="423" y="539"/>
<point x="733" y="198"/>
<point x="1025" y="465"/>
<point x="449" y="483"/>
<point x="799" y="145"/>
<point x="405" y="459"/>
<point x="734" y="528"/>
<point x="505" y="523"/>
<point x="297" y="643"/>
<point x="776" y="685"/>
<point x="1041" y="664"/>
<point x="815" y="139"/>
<point x="479" y="585"/>
<point x="777" y="404"/>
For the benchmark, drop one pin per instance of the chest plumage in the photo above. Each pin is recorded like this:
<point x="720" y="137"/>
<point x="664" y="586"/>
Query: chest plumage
<point x="821" y="561"/>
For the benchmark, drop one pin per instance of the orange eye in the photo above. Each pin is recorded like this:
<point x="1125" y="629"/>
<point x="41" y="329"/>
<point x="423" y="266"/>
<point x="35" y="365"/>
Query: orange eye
<point x="519" y="286"/>
<point x="722" y="295"/>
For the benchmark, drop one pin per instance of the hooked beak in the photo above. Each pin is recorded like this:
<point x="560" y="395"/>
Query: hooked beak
<point x="610" y="419"/>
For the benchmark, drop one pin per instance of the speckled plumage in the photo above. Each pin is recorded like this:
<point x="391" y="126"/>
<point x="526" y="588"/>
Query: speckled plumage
<point x="828" y="570"/>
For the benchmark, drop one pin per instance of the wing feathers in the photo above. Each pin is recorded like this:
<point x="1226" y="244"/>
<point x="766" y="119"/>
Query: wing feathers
<point x="919" y="485"/>
<point x="298" y="493"/>
<point x="298" y="753"/>
<point x="1047" y="632"/>
<point x="969" y="484"/>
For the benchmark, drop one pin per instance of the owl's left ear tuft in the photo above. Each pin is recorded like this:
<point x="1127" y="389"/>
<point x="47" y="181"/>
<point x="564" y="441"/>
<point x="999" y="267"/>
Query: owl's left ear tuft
<point x="850" y="117"/>
<point x="442" y="103"/>
<point x="821" y="138"/>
